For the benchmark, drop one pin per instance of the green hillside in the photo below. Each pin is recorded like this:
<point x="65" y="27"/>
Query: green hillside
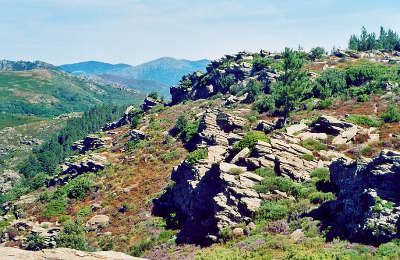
<point x="53" y="92"/>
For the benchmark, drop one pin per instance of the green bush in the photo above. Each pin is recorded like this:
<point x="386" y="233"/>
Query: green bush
<point x="388" y="250"/>
<point x="190" y="130"/>
<point x="56" y="206"/>
<point x="322" y="174"/>
<point x="308" y="157"/>
<point x="136" y="118"/>
<point x="35" y="242"/>
<point x="316" y="53"/>
<point x="133" y="145"/>
<point x="330" y="83"/>
<point x="366" y="150"/>
<point x="196" y="155"/>
<point x="250" y="139"/>
<point x="265" y="172"/>
<point x="265" y="103"/>
<point x="273" y="210"/>
<point x="325" y="103"/>
<point x="78" y="187"/>
<point x="319" y="197"/>
<point x="39" y="180"/>
<point x="364" y="120"/>
<point x="153" y="95"/>
<point x="392" y="113"/>
<point x="72" y="235"/>
<point x="253" y="89"/>
<point x="313" y="145"/>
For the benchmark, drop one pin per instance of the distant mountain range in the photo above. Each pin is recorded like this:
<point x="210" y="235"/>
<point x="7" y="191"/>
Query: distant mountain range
<point x="157" y="75"/>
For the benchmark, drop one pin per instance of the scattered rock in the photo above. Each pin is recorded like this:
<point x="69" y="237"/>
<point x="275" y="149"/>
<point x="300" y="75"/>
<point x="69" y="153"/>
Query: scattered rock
<point x="11" y="253"/>
<point x="97" y="222"/>
<point x="296" y="128"/>
<point x="149" y="103"/>
<point x="297" y="235"/>
<point x="90" y="142"/>
<point x="137" y="135"/>
<point x="237" y="232"/>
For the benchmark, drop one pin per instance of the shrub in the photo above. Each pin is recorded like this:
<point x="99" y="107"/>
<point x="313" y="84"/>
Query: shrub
<point x="250" y="139"/>
<point x="35" y="242"/>
<point x="39" y="180"/>
<point x="366" y="150"/>
<point x="235" y="171"/>
<point x="180" y="123"/>
<point x="154" y="95"/>
<point x="319" y="197"/>
<point x="253" y="89"/>
<point x="316" y="53"/>
<point x="190" y="130"/>
<point x="72" y="235"/>
<point x="265" y="172"/>
<point x="325" y="103"/>
<point x="56" y="206"/>
<point x="196" y="155"/>
<point x="78" y="187"/>
<point x="392" y="113"/>
<point x="330" y="82"/>
<point x="273" y="210"/>
<point x="265" y="103"/>
<point x="133" y="145"/>
<point x="308" y="157"/>
<point x="363" y="98"/>
<point x="313" y="145"/>
<point x="322" y="174"/>
<point x="140" y="247"/>
<point x="225" y="81"/>
<point x="388" y="250"/>
<point x="364" y="120"/>
<point x="136" y="119"/>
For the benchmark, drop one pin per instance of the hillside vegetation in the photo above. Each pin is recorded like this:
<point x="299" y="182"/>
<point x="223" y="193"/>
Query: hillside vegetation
<point x="53" y="92"/>
<point x="290" y="155"/>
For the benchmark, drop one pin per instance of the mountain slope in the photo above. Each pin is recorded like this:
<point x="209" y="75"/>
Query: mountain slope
<point x="155" y="75"/>
<point x="165" y="70"/>
<point x="92" y="67"/>
<point x="49" y="92"/>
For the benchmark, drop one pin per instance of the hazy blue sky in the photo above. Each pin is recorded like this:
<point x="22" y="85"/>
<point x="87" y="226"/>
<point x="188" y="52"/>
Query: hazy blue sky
<point x="135" y="31"/>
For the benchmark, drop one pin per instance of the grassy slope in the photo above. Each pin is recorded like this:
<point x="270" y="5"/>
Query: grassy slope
<point x="49" y="93"/>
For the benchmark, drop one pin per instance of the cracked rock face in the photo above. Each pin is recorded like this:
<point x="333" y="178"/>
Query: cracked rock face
<point x="367" y="206"/>
<point x="218" y="192"/>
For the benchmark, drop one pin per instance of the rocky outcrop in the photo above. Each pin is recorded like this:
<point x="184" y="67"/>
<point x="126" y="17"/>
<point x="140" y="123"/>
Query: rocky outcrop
<point x="221" y="74"/>
<point x="7" y="179"/>
<point x="215" y="127"/>
<point x="124" y="120"/>
<point x="343" y="131"/>
<point x="284" y="155"/>
<point x="90" y="142"/>
<point x="74" y="167"/>
<point x="11" y="253"/>
<point x="97" y="222"/>
<point x="149" y="103"/>
<point x="137" y="135"/>
<point x="209" y="196"/>
<point x="47" y="230"/>
<point x="218" y="192"/>
<point x="367" y="205"/>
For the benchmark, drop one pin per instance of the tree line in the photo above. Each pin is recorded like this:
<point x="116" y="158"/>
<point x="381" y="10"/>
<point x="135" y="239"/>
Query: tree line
<point x="387" y="40"/>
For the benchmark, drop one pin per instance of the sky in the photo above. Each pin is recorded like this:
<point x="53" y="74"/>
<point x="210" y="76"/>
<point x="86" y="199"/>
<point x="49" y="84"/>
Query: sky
<point x="136" y="31"/>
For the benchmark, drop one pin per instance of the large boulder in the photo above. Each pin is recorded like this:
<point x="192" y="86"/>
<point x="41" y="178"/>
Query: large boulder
<point x="149" y="103"/>
<point x="74" y="167"/>
<point x="343" y="131"/>
<point x="90" y="142"/>
<point x="367" y="206"/>
<point x="125" y="119"/>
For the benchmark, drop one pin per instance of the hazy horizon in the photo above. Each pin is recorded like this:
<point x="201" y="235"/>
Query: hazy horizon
<point x="137" y="31"/>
